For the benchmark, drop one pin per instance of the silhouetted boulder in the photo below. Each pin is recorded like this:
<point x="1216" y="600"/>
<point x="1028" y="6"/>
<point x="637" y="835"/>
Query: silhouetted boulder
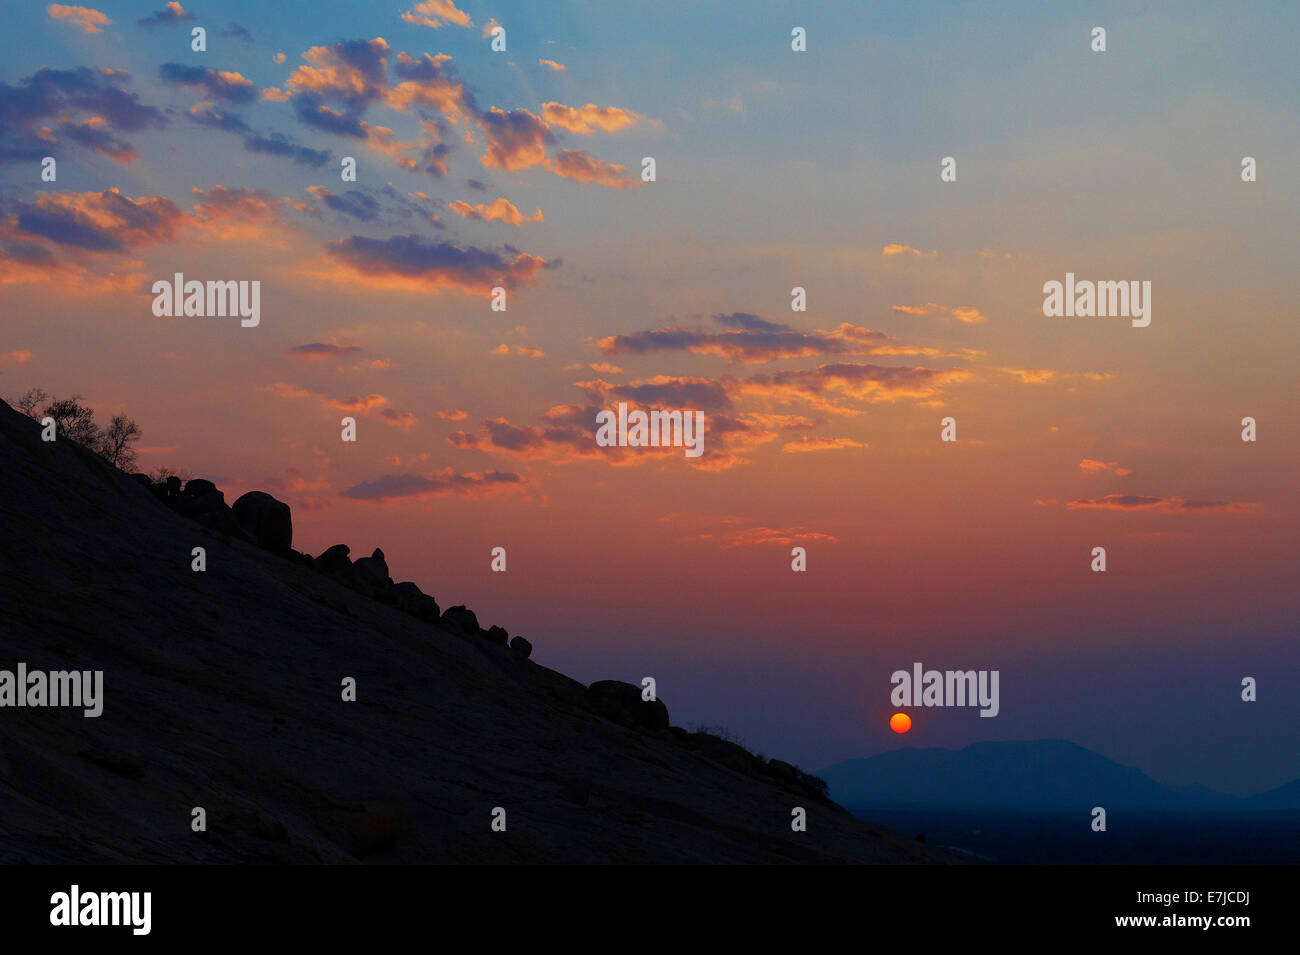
<point x="461" y="618"/>
<point x="142" y="479"/>
<point x="497" y="635"/>
<point x="622" y="703"/>
<point x="173" y="485"/>
<point x="522" y="647"/>
<point x="266" y="520"/>
<point x="373" y="569"/>
<point x="199" y="487"/>
<point x="202" y="501"/>
<point x="335" y="560"/>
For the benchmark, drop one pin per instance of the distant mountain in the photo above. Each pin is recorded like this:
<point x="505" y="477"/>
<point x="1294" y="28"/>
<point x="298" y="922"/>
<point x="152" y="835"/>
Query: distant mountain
<point x="1284" y="797"/>
<point x="1045" y="775"/>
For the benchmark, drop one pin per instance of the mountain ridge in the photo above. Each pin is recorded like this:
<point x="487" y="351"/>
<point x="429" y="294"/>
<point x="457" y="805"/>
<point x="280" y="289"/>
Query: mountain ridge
<point x="1047" y="774"/>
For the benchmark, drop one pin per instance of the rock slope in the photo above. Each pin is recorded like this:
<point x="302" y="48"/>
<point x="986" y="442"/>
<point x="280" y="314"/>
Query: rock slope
<point x="222" y="690"/>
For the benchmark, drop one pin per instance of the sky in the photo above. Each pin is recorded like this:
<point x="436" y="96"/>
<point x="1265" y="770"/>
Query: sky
<point x="522" y="169"/>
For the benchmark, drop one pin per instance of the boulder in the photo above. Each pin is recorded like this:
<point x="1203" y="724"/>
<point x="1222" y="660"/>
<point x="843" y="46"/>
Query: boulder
<point x="335" y="560"/>
<point x="374" y="569"/>
<point x="142" y="479"/>
<point x="461" y="618"/>
<point x="198" y="487"/>
<point x="622" y="703"/>
<point x="522" y="647"/>
<point x="173" y="485"/>
<point x="266" y="520"/>
<point x="497" y="635"/>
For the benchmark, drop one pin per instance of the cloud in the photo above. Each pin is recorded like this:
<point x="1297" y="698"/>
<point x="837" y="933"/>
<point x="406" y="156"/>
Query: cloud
<point x="168" y="15"/>
<point x="1135" y="502"/>
<point x="271" y="144"/>
<point x="820" y="444"/>
<point x="453" y="414"/>
<point x="278" y="144"/>
<point x="515" y="140"/>
<point x="88" y="20"/>
<point x="236" y="213"/>
<point x="404" y="486"/>
<point x="353" y="404"/>
<point x="830" y="387"/>
<point x="586" y="119"/>
<point x="316" y="351"/>
<point x="895" y="249"/>
<point x="404" y="420"/>
<point x="758" y="341"/>
<point x="41" y="111"/>
<point x="354" y="203"/>
<point x="350" y="73"/>
<point x="237" y="32"/>
<point x="498" y="210"/>
<point x="430" y="81"/>
<point x="413" y="262"/>
<point x="221" y="85"/>
<point x="436" y="13"/>
<point x="552" y="65"/>
<point x="963" y="313"/>
<point x="1089" y="466"/>
<point x="20" y="356"/>
<point x="105" y="221"/>
<point x="578" y="165"/>
<point x="504" y="349"/>
<point x="661" y="391"/>
<point x="24" y="263"/>
<point x="765" y="536"/>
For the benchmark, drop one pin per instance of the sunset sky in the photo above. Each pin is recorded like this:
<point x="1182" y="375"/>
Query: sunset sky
<point x="775" y="169"/>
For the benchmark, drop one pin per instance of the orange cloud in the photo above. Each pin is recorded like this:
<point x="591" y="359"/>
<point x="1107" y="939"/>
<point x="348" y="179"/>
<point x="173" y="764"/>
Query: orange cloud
<point x="757" y="341"/>
<point x="609" y="119"/>
<point x="1089" y="466"/>
<point x="1135" y="502"/>
<point x="434" y="13"/>
<point x="498" y="210"/>
<point x="963" y="313"/>
<point x="90" y="21"/>
<point x="353" y="404"/>
<point x="574" y="164"/>
<point x="763" y="536"/>
<point x="515" y="140"/>
<point x="820" y="444"/>
<point x="552" y="65"/>
<point x="895" y="249"/>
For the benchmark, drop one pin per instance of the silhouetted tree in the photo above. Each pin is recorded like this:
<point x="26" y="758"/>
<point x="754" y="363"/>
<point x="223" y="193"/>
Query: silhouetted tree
<point x="76" y="422"/>
<point x="30" y="402"/>
<point x="160" y="474"/>
<point x="114" y="442"/>
<point x="73" y="420"/>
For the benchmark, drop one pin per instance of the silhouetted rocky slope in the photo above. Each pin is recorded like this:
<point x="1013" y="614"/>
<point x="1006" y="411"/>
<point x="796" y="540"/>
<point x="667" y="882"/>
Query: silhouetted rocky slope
<point x="222" y="689"/>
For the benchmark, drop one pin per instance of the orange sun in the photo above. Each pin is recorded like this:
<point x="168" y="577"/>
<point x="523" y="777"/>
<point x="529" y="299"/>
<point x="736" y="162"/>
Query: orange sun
<point x="900" y="722"/>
